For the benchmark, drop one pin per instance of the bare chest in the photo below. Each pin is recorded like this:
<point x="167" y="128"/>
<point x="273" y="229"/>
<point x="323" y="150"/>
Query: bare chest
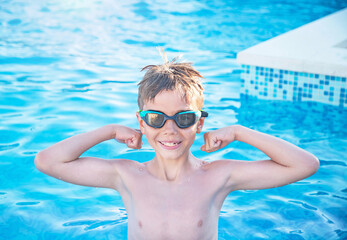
<point x="176" y="211"/>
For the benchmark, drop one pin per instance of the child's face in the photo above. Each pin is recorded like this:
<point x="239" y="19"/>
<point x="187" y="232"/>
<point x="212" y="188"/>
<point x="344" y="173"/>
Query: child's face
<point x="170" y="141"/>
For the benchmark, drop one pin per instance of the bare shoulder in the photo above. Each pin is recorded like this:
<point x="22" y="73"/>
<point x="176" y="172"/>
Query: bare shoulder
<point x="220" y="171"/>
<point x="126" y="164"/>
<point x="226" y="172"/>
<point x="220" y="165"/>
<point x="128" y="169"/>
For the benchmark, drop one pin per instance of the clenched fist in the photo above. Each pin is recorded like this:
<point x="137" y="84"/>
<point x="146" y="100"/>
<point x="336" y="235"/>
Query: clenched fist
<point x="219" y="138"/>
<point x="130" y="136"/>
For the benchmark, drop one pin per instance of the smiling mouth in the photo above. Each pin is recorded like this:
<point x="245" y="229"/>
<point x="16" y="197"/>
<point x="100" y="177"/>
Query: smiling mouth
<point x="169" y="144"/>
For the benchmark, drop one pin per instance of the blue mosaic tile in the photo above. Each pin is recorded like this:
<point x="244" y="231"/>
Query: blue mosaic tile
<point x="282" y="84"/>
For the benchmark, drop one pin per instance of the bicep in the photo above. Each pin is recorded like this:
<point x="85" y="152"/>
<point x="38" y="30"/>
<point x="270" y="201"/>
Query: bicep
<point x="87" y="171"/>
<point x="253" y="175"/>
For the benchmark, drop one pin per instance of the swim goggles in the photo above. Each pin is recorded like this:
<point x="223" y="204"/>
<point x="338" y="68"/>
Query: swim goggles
<point x="184" y="119"/>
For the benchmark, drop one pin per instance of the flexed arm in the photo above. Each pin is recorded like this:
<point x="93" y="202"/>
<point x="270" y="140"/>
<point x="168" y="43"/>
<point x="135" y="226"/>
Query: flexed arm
<point x="288" y="163"/>
<point x="62" y="160"/>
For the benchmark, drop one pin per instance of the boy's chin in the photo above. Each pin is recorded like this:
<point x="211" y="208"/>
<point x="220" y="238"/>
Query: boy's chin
<point x="170" y="154"/>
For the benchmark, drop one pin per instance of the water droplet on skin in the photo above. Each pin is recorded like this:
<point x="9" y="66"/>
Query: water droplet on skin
<point x="203" y="165"/>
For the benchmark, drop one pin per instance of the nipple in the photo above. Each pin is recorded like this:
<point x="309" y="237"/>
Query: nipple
<point x="200" y="223"/>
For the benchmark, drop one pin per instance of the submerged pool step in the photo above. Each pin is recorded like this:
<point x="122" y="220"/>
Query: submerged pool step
<point x="306" y="64"/>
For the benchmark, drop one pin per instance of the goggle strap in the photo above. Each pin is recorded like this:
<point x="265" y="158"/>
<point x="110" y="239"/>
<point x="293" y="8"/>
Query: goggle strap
<point x="204" y="114"/>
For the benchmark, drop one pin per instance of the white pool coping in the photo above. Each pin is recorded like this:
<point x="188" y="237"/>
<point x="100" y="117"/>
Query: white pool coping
<point x="318" y="47"/>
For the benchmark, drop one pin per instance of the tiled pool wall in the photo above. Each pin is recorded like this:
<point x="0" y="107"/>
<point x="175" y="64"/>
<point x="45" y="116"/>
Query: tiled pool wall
<point x="280" y="84"/>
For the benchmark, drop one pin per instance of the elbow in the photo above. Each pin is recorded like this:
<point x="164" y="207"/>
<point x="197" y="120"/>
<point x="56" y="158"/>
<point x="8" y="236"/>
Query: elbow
<point x="316" y="164"/>
<point x="40" y="162"/>
<point x="313" y="165"/>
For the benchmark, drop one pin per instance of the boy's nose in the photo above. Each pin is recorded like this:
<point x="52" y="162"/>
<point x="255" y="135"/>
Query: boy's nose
<point x="170" y="126"/>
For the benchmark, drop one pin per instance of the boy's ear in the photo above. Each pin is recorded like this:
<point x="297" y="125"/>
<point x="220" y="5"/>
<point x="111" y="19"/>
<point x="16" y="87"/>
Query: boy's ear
<point x="141" y="123"/>
<point x="200" y="125"/>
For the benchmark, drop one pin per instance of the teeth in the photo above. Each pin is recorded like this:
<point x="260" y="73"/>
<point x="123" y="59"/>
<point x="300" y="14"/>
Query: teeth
<point x="169" y="144"/>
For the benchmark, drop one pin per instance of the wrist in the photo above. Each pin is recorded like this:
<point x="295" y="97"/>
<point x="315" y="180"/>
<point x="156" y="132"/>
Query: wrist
<point x="237" y="129"/>
<point x="111" y="130"/>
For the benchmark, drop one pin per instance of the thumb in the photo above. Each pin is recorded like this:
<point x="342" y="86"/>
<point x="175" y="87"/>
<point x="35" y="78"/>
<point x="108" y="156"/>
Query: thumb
<point x="203" y="148"/>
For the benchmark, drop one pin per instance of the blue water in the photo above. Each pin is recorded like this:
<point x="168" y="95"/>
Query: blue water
<point x="67" y="67"/>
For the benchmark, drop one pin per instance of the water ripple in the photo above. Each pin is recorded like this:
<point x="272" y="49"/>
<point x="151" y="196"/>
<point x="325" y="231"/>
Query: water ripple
<point x="343" y="198"/>
<point x="342" y="234"/>
<point x="15" y="21"/>
<point x="8" y="146"/>
<point x="93" y="224"/>
<point x="305" y="205"/>
<point x="332" y="162"/>
<point x="114" y="81"/>
<point x="143" y="43"/>
<point x="327" y="219"/>
<point x="28" y="60"/>
<point x="27" y="203"/>
<point x="319" y="193"/>
<point x="142" y="9"/>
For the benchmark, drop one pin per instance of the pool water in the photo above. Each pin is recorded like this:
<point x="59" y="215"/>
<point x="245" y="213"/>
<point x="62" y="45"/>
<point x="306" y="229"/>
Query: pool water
<point x="68" y="67"/>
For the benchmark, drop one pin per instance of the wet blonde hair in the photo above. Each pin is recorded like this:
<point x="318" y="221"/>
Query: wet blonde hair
<point x="171" y="75"/>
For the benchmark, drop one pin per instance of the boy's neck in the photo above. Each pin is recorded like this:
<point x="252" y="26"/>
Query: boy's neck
<point x="173" y="170"/>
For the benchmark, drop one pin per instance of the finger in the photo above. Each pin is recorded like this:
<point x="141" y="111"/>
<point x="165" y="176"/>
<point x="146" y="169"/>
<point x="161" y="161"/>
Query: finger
<point x="130" y="143"/>
<point x="135" y="142"/>
<point x="214" y="145"/>
<point x="210" y="142"/>
<point x="138" y="130"/>
<point x="138" y="142"/>
<point x="203" y="148"/>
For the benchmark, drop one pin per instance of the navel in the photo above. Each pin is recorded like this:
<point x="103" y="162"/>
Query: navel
<point x="200" y="223"/>
<point x="140" y="224"/>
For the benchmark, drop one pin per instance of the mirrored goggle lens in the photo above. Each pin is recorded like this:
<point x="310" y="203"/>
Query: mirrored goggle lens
<point x="183" y="120"/>
<point x="186" y="119"/>
<point x="155" y="119"/>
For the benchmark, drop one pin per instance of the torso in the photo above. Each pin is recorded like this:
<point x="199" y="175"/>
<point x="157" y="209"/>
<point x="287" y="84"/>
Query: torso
<point x="187" y="209"/>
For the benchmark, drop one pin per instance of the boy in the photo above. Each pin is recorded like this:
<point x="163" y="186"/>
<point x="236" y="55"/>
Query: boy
<point x="175" y="195"/>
